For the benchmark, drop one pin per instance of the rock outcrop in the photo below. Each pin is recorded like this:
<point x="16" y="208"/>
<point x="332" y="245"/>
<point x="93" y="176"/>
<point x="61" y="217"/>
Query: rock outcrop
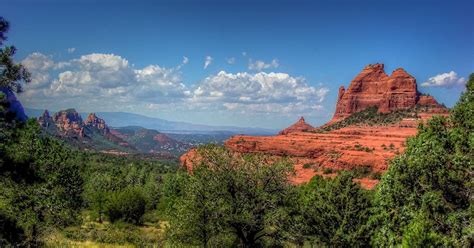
<point x="95" y="122"/>
<point x="299" y="126"/>
<point x="45" y="120"/>
<point x="69" y="123"/>
<point x="93" y="133"/>
<point x="373" y="87"/>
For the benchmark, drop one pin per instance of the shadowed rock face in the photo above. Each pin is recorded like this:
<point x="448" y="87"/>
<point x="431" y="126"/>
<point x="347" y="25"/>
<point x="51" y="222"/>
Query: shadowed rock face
<point x="96" y="122"/>
<point x="14" y="106"/>
<point x="45" y="120"/>
<point x="373" y="87"/>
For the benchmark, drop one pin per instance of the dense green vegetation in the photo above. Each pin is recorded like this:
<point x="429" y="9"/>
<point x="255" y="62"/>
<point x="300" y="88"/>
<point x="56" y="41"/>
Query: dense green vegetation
<point x="426" y="196"/>
<point x="371" y="117"/>
<point x="53" y="195"/>
<point x="231" y="200"/>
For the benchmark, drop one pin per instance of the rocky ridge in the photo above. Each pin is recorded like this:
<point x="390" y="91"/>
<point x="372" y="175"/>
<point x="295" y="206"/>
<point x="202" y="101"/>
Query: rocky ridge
<point x="92" y="133"/>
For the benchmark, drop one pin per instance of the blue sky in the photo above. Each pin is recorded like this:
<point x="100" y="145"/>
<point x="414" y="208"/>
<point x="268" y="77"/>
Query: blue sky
<point x="269" y="61"/>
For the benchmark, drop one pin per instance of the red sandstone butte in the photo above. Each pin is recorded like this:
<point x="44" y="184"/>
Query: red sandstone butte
<point x="299" y="126"/>
<point x="373" y="87"/>
<point x="313" y="153"/>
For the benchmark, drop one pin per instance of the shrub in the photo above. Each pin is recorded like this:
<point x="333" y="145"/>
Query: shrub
<point x="371" y="117"/>
<point x="127" y="205"/>
<point x="307" y="165"/>
<point x="328" y="171"/>
<point x="332" y="212"/>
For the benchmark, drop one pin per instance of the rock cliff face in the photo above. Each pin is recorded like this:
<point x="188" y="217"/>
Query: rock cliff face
<point x="69" y="123"/>
<point x="95" y="122"/>
<point x="299" y="126"/>
<point x="93" y="133"/>
<point x="373" y="87"/>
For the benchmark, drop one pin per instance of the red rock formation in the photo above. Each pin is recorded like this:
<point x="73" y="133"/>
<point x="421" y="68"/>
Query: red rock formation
<point x="69" y="122"/>
<point x="96" y="122"/>
<point x="299" y="126"/>
<point x="373" y="87"/>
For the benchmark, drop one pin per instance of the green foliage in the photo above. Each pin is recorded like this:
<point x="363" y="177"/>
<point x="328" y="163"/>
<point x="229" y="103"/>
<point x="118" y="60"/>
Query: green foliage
<point x="40" y="180"/>
<point x="10" y="232"/>
<point x="328" y="170"/>
<point x="12" y="75"/>
<point x="127" y="205"/>
<point x="333" y="212"/>
<point x="230" y="198"/>
<point x="107" y="175"/>
<point x="307" y="165"/>
<point x="360" y="147"/>
<point x="371" y="117"/>
<point x="426" y="196"/>
<point x="114" y="234"/>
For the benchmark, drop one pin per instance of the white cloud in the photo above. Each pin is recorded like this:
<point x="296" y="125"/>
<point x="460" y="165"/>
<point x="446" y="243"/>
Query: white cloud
<point x="38" y="61"/>
<point x="230" y="60"/>
<point x="185" y="60"/>
<point x="244" y="54"/>
<point x="207" y="61"/>
<point x="261" y="65"/>
<point x="447" y="80"/>
<point x="102" y="77"/>
<point x="268" y="92"/>
<point x="71" y="50"/>
<point x="108" y="82"/>
<point x="39" y="65"/>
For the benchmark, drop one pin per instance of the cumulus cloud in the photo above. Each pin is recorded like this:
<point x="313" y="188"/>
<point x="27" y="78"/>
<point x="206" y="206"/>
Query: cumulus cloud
<point x="103" y="77"/>
<point x="446" y="80"/>
<point x="207" y="61"/>
<point x="108" y="82"/>
<point x="261" y="65"/>
<point x="39" y="65"/>
<point x="266" y="92"/>
<point x="230" y="60"/>
<point x="71" y="50"/>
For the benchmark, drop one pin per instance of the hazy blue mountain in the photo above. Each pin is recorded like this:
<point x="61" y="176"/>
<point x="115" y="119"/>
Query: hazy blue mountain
<point x="122" y="119"/>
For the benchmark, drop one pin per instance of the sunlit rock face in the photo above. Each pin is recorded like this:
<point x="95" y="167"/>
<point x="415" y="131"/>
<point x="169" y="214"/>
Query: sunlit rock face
<point x="373" y="87"/>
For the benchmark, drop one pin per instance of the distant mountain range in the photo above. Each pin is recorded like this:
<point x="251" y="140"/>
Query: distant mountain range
<point x="122" y="119"/>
